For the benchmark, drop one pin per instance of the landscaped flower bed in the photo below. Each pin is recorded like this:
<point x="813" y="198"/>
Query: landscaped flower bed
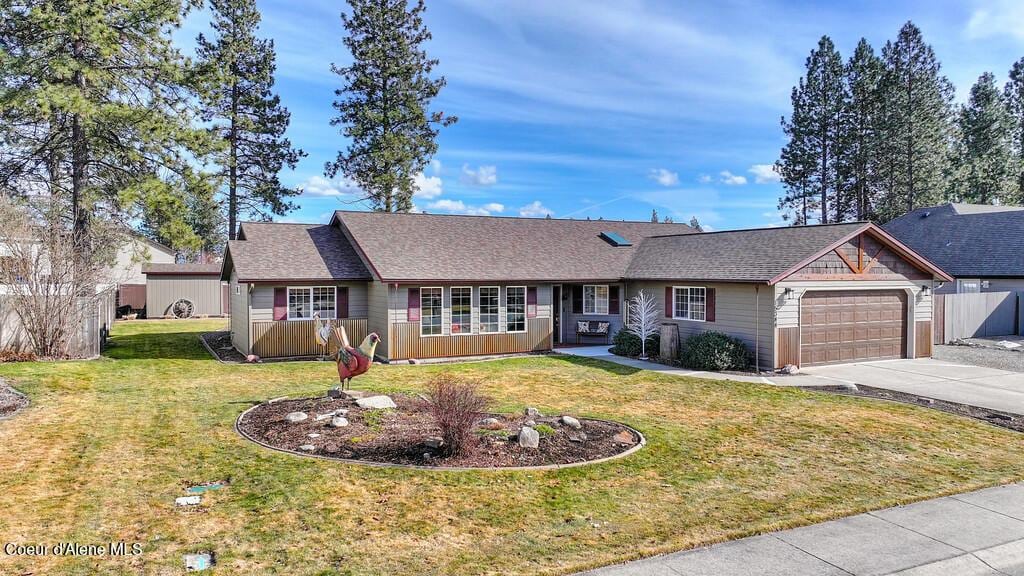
<point x="407" y="434"/>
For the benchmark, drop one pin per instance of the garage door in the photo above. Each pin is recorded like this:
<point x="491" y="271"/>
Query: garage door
<point x="854" y="325"/>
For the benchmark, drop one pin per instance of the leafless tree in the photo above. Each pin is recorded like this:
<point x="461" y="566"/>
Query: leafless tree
<point x="644" y="319"/>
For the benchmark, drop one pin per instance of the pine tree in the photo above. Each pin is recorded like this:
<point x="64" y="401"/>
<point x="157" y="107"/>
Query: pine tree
<point x="668" y="220"/>
<point x="860" y="163"/>
<point x="238" y="99"/>
<point x="1014" y="95"/>
<point x="384" y="104"/>
<point x="983" y="156"/>
<point x="695" y="224"/>
<point x="917" y="127"/>
<point x="95" y="110"/>
<point x="814" y="133"/>
<point x="654" y="216"/>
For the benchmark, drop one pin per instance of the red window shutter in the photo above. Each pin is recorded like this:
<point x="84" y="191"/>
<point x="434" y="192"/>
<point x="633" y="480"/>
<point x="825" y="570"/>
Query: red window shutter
<point x="414" y="304"/>
<point x="668" y="301"/>
<point x="709" y="305"/>
<point x="577" y="299"/>
<point x="280" y="303"/>
<point x="342" y="301"/>
<point x="531" y="302"/>
<point x="613" y="299"/>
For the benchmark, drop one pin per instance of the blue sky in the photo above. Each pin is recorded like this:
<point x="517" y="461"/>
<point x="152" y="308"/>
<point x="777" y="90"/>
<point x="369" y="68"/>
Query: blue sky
<point x="610" y="109"/>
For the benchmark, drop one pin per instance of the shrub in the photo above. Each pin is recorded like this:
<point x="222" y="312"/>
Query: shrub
<point x="12" y="355"/>
<point x="456" y="405"/>
<point x="715" y="351"/>
<point x="628" y="344"/>
<point x="544" y="430"/>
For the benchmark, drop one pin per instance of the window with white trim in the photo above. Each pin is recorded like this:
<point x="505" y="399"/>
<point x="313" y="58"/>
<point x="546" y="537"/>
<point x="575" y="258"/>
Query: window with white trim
<point x="430" y="311"/>
<point x="689" y="303"/>
<point x="515" y="309"/>
<point x="303" y="302"/>
<point x="489" y="309"/>
<point x="462" y="309"/>
<point x="595" y="299"/>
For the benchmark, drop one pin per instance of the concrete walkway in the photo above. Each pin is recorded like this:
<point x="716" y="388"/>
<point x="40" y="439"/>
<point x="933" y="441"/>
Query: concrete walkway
<point x="601" y="353"/>
<point x="975" y="534"/>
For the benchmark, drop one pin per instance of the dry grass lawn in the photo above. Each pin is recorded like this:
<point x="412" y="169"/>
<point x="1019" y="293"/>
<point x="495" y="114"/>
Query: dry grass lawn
<point x="107" y="445"/>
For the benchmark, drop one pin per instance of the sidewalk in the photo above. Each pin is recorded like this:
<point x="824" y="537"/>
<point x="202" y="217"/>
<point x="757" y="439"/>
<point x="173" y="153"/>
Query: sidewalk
<point x="601" y="352"/>
<point x="975" y="534"/>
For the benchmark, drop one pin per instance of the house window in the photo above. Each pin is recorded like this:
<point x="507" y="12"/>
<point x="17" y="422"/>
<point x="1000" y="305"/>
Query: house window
<point x="690" y="303"/>
<point x="969" y="286"/>
<point x="595" y="299"/>
<point x="304" y="302"/>
<point x="462" y="309"/>
<point x="430" y="312"/>
<point x="489" y="309"/>
<point x="515" y="309"/>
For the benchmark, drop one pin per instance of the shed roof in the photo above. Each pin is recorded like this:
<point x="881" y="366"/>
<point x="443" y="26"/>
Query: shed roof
<point x="422" y="247"/>
<point x="273" y="251"/>
<point x="187" y="269"/>
<point x="966" y="240"/>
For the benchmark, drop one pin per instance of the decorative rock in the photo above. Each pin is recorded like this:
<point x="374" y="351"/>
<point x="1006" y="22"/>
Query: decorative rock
<point x="339" y="422"/>
<point x="529" y="438"/>
<point x="376" y="402"/>
<point x="427" y="456"/>
<point x="295" y="417"/>
<point x="357" y="394"/>
<point x="330" y="414"/>
<point x="253" y="359"/>
<point x="307" y="448"/>
<point x="413" y="361"/>
<point x="187" y="500"/>
<point x="197" y="562"/>
<point x="278" y="399"/>
<point x="577" y="436"/>
<point x="530" y="423"/>
<point x="624" y="437"/>
<point x="571" y="422"/>
<point x="491" y="424"/>
<point x="434" y="442"/>
<point x="790" y="369"/>
<point x="531" y="412"/>
<point x="335" y="393"/>
<point x="313" y="435"/>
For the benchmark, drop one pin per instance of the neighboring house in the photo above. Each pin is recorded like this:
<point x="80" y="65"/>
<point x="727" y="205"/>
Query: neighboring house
<point x="127" y="272"/>
<point x="200" y="284"/>
<point x="446" y="286"/>
<point x="981" y="246"/>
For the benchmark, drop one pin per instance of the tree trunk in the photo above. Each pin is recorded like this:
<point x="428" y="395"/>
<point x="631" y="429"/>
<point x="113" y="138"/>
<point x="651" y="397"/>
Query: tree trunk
<point x="79" y="153"/>
<point x="233" y="165"/>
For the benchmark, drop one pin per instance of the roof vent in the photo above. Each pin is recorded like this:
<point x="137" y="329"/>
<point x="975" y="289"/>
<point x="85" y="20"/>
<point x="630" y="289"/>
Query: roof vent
<point x="614" y="239"/>
<point x="926" y="214"/>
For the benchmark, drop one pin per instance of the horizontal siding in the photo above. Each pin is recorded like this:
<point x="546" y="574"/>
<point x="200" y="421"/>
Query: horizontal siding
<point x="407" y="342"/>
<point x="788" y="309"/>
<point x="263" y="299"/>
<point x="239" y="314"/>
<point x="377" y="315"/>
<point x="163" y="291"/>
<point x="735" y="306"/>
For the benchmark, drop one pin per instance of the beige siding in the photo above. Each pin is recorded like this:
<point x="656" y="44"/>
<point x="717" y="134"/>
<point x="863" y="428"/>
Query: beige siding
<point x="743" y="311"/>
<point x="131" y="256"/>
<point x="263" y="299"/>
<point x="239" y="314"/>
<point x="163" y="291"/>
<point x="377" y="314"/>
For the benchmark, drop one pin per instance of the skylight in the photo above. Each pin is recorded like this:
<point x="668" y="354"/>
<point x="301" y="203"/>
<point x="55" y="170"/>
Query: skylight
<point x="614" y="239"/>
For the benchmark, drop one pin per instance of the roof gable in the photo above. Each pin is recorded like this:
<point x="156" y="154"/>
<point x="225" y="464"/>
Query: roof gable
<point x="267" y="251"/>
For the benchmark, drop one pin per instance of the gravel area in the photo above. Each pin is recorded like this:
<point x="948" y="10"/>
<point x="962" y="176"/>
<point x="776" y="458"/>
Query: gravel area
<point x="10" y="401"/>
<point x="978" y="356"/>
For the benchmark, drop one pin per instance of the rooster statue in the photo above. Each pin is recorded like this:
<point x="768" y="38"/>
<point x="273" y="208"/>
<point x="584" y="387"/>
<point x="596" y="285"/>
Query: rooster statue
<point x="353" y="361"/>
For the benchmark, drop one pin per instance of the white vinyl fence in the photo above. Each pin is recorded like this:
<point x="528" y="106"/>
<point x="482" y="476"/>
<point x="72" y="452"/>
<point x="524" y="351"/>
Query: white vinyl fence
<point x="978" y="315"/>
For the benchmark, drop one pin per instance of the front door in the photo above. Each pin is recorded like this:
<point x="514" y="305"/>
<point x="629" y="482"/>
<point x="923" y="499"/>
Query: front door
<point x="556" y="312"/>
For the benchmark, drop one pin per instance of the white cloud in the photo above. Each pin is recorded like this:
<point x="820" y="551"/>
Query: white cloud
<point x="460" y="207"/>
<point x="427" y="187"/>
<point x="535" y="210"/>
<point x="320" y="187"/>
<point x="482" y="176"/>
<point x="704" y="179"/>
<point x="664" y="177"/>
<point x="764" y="173"/>
<point x="435" y="167"/>
<point x="730" y="179"/>
<point x="997" y="18"/>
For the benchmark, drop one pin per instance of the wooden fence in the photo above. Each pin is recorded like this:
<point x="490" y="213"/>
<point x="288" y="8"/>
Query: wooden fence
<point x="280" y="338"/>
<point x="406" y="341"/>
<point x="977" y="315"/>
<point x="86" y="339"/>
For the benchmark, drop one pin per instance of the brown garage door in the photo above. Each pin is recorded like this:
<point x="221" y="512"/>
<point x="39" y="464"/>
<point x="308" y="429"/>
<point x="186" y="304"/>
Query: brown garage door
<point x="852" y="325"/>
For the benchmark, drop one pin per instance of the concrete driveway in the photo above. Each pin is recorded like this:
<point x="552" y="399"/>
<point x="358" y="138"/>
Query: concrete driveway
<point x="974" y="385"/>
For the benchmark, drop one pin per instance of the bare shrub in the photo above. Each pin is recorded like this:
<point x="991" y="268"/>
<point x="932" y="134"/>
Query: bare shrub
<point x="456" y="404"/>
<point x="12" y="355"/>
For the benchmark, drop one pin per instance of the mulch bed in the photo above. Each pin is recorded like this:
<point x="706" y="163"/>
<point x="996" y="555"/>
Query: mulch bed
<point x="997" y="417"/>
<point x="398" y="436"/>
<point x="10" y="401"/>
<point x="220" y="344"/>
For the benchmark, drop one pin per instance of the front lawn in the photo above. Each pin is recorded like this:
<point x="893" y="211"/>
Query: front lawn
<point x="107" y="445"/>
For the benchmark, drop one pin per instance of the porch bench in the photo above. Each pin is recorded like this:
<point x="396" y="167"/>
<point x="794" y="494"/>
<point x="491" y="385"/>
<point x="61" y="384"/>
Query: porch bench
<point x="586" y="328"/>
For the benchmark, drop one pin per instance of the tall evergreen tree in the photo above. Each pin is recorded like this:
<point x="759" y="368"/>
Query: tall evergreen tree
<point x="384" y="103"/>
<point x="94" y="109"/>
<point x="245" y="113"/>
<point x="654" y="216"/>
<point x="917" y="127"/>
<point x="814" y="130"/>
<point x="982" y="163"/>
<point x="860" y="139"/>
<point x="695" y="224"/>
<point x="1014" y="95"/>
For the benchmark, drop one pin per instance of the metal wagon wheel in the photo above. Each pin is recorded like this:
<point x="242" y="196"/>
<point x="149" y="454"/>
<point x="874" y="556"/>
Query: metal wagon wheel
<point x="182" y="308"/>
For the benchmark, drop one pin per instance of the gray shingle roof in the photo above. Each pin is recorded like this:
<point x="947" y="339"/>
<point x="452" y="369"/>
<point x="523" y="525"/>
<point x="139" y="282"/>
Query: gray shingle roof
<point x="160" y="269"/>
<point x="485" y="248"/>
<point x="757" y="255"/>
<point x="302" y="252"/>
<point x="966" y="240"/>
